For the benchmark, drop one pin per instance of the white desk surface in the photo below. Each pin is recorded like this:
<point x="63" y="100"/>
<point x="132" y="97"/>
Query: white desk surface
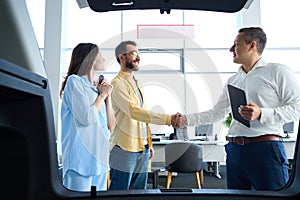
<point x="214" y="150"/>
<point x="289" y="145"/>
<point x="289" y="139"/>
<point x="163" y="142"/>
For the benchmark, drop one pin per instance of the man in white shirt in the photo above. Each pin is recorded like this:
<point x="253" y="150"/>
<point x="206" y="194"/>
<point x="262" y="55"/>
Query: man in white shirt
<point x="256" y="157"/>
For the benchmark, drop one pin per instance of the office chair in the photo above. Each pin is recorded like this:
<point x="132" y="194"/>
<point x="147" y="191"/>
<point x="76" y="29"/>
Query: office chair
<point x="184" y="157"/>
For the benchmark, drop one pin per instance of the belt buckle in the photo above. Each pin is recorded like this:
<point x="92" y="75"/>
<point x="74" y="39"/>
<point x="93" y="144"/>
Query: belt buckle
<point x="240" y="141"/>
<point x="243" y="141"/>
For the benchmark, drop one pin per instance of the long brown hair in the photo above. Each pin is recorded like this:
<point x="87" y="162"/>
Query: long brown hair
<point x="82" y="60"/>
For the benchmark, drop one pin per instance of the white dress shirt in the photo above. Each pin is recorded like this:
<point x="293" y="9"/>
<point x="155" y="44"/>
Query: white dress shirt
<point x="271" y="86"/>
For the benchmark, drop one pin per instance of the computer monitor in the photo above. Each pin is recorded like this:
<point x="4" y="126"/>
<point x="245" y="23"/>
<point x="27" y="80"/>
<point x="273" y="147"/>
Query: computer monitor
<point x="288" y="127"/>
<point x="204" y="130"/>
<point x="181" y="134"/>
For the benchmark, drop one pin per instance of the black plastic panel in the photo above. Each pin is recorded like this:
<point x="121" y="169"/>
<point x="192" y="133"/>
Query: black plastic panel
<point x="229" y="6"/>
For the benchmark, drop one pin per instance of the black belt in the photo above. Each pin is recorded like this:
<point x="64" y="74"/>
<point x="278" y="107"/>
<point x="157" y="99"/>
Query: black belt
<point x="247" y="140"/>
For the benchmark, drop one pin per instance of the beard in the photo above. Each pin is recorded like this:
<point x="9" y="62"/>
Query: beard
<point x="129" y="65"/>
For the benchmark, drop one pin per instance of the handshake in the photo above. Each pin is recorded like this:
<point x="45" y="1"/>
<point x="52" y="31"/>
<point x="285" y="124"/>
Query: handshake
<point x="178" y="120"/>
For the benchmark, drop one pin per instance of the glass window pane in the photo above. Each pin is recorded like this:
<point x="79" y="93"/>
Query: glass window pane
<point x="209" y="61"/>
<point x="280" y="21"/>
<point x="287" y="57"/>
<point x="131" y="19"/>
<point x="36" y="11"/>
<point x="160" y="60"/>
<point x="164" y="93"/>
<point x="85" y="25"/>
<point x="223" y="60"/>
<point x="202" y="91"/>
<point x="212" y="29"/>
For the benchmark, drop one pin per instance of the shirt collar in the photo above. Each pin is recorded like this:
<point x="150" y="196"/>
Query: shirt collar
<point x="86" y="81"/>
<point x="259" y="64"/>
<point x="126" y="75"/>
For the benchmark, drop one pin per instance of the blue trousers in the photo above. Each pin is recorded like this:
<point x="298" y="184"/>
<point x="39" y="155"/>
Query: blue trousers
<point x="256" y="166"/>
<point x="128" y="170"/>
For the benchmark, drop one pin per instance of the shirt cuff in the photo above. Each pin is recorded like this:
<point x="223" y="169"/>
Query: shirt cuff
<point x="266" y="116"/>
<point x="189" y="119"/>
<point x="168" y="120"/>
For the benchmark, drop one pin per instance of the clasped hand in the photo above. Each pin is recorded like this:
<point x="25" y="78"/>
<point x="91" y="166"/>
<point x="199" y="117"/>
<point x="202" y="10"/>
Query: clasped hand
<point x="178" y="120"/>
<point x="105" y="88"/>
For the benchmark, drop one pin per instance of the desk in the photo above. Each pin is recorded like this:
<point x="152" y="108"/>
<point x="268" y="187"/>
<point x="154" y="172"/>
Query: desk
<point x="289" y="145"/>
<point x="213" y="151"/>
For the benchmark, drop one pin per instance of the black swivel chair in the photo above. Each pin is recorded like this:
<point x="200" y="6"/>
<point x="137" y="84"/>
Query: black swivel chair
<point x="184" y="157"/>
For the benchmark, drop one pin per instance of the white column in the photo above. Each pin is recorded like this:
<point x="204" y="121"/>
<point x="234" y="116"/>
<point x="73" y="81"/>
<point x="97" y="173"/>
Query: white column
<point x="250" y="16"/>
<point x="53" y="18"/>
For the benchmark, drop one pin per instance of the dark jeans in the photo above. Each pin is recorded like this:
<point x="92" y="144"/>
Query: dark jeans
<point x="256" y="166"/>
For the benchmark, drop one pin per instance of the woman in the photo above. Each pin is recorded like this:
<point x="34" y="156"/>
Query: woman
<point x="87" y="120"/>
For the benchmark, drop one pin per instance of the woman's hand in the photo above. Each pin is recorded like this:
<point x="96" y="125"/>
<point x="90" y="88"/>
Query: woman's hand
<point x="105" y="88"/>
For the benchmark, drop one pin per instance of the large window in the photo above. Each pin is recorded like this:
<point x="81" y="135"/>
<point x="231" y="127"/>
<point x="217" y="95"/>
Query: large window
<point x="165" y="62"/>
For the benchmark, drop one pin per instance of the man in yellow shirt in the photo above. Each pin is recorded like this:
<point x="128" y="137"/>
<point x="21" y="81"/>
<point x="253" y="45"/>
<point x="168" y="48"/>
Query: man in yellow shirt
<point x="131" y="146"/>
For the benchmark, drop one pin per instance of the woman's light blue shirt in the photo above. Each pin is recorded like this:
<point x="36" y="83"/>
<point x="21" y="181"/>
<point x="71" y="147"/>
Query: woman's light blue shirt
<point x="85" y="135"/>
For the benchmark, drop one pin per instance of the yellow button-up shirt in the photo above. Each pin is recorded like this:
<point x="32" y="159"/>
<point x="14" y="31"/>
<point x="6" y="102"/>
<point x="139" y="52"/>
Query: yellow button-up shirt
<point x="129" y="115"/>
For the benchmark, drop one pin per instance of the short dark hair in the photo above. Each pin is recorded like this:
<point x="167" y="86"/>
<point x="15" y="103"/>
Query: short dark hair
<point x="257" y="34"/>
<point x="122" y="48"/>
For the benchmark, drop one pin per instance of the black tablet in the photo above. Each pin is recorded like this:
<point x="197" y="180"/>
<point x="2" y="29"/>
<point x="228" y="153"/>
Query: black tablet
<point x="237" y="98"/>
